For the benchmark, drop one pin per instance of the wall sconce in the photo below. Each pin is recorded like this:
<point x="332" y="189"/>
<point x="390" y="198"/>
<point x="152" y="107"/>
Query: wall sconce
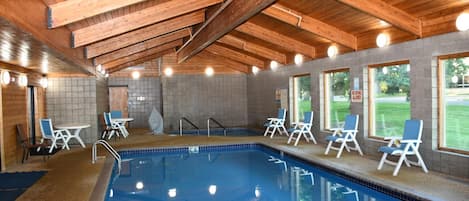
<point x="209" y="71"/>
<point x="462" y="22"/>
<point x="44" y="82"/>
<point x="6" y="77"/>
<point x="135" y="75"/>
<point x="332" y="51"/>
<point x="274" y="65"/>
<point x="23" y="80"/>
<point x="382" y="40"/>
<point x="168" y="71"/>
<point x="255" y="70"/>
<point x="299" y="59"/>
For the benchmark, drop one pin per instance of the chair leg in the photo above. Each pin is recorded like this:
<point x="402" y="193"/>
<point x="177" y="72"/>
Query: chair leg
<point x="266" y="130"/>
<point x="421" y="163"/>
<point x="342" y="145"/>
<point x="357" y="147"/>
<point x="311" y="136"/>
<point x="291" y="137"/>
<point x="24" y="155"/>
<point x="273" y="132"/>
<point x="381" y="162"/>
<point x="398" y="165"/>
<point x="298" y="138"/>
<point x="328" y="148"/>
<point x="39" y="148"/>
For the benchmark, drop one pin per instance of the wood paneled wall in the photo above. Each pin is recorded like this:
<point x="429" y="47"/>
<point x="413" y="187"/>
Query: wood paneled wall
<point x="14" y="111"/>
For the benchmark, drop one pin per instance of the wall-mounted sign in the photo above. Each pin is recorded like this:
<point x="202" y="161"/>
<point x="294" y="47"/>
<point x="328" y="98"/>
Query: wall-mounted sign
<point x="357" y="96"/>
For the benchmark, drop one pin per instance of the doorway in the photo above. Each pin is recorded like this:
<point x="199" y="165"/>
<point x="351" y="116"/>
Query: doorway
<point x="118" y="99"/>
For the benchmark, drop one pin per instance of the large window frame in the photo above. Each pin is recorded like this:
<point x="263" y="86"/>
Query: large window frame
<point x="371" y="102"/>
<point x="441" y="102"/>
<point x="326" y="87"/>
<point x="295" y="116"/>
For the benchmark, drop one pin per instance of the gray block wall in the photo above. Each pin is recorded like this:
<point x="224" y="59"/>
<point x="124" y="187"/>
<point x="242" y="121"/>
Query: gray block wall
<point x="422" y="54"/>
<point x="140" y="109"/>
<point x="77" y="100"/>
<point x="198" y="97"/>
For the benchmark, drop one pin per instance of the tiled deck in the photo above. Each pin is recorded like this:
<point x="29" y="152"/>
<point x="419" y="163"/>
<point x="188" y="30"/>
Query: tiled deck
<point x="71" y="175"/>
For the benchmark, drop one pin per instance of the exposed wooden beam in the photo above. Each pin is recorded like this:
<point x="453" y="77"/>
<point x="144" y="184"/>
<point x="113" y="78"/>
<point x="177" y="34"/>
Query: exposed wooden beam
<point x="234" y="55"/>
<point x="253" y="48"/>
<point x="70" y="11"/>
<point x="312" y="25"/>
<point x="277" y="39"/>
<point x="139" y="47"/>
<point x="143" y="34"/>
<point x="228" y="62"/>
<point x="143" y="54"/>
<point x="135" y="20"/>
<point x="230" y="15"/>
<point x="388" y="13"/>
<point x="141" y="60"/>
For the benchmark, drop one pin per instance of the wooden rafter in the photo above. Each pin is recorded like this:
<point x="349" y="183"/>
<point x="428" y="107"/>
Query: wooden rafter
<point x="253" y="48"/>
<point x="277" y="39"/>
<point x="135" y="20"/>
<point x="228" y="62"/>
<point x="143" y="54"/>
<point x="143" y="34"/>
<point x="142" y="46"/>
<point x="234" y="55"/>
<point x="312" y="25"/>
<point x="230" y="15"/>
<point x="388" y="13"/>
<point x="141" y="60"/>
<point x="70" y="11"/>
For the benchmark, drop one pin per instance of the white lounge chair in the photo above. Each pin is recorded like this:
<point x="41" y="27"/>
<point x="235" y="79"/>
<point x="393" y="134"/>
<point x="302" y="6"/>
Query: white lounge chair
<point x="275" y="124"/>
<point x="409" y="145"/>
<point x="48" y="133"/>
<point x="302" y="129"/>
<point x="111" y="127"/>
<point x="345" y="135"/>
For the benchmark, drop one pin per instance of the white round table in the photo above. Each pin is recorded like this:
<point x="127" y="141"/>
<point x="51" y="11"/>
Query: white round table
<point x="76" y="133"/>
<point x="121" y="122"/>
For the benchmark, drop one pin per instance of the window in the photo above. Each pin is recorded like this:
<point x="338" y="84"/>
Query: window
<point x="301" y="96"/>
<point x="336" y="98"/>
<point x="389" y="98"/>
<point x="454" y="102"/>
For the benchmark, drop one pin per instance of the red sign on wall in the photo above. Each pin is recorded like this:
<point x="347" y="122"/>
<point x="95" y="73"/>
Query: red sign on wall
<point x="357" y="96"/>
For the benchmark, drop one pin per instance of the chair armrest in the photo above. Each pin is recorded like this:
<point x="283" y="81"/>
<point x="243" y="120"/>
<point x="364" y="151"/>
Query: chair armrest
<point x="411" y="141"/>
<point x="393" y="138"/>
<point x="349" y="131"/>
<point x="271" y="118"/>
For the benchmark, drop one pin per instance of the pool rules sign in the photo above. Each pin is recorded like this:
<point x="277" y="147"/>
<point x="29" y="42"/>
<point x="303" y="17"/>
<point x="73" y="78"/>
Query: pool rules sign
<point x="356" y="96"/>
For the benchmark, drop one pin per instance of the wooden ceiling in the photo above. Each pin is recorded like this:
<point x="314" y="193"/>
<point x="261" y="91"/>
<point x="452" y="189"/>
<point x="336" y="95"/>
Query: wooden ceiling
<point x="188" y="35"/>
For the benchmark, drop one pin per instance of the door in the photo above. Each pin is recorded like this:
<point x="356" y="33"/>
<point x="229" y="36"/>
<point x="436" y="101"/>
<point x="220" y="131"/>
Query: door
<point x="118" y="100"/>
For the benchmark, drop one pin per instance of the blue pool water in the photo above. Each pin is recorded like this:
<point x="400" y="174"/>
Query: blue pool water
<point x="219" y="132"/>
<point x="245" y="173"/>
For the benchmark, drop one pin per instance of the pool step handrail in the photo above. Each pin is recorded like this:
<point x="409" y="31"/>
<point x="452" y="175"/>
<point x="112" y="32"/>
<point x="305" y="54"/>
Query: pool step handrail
<point x="216" y="122"/>
<point x="108" y="148"/>
<point x="188" y="121"/>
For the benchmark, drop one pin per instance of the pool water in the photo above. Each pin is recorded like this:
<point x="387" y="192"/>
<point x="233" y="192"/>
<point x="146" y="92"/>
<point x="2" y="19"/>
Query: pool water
<point x="255" y="173"/>
<point x="219" y="132"/>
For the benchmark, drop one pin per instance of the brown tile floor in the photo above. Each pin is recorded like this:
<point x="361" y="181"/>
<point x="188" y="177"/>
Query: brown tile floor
<point x="71" y="176"/>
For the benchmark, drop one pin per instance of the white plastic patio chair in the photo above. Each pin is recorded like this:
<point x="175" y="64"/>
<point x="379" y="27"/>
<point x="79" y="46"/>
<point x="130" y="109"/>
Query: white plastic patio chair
<point x="275" y="124"/>
<point x="409" y="145"/>
<point x="111" y="127"/>
<point x="48" y="133"/>
<point x="345" y="135"/>
<point x="302" y="129"/>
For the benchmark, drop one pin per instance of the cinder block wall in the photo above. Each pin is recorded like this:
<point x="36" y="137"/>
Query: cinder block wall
<point x="140" y="109"/>
<point x="197" y="97"/>
<point x="77" y="100"/>
<point x="422" y="54"/>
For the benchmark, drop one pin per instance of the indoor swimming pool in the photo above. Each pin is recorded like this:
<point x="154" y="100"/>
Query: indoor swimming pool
<point x="220" y="132"/>
<point x="243" y="172"/>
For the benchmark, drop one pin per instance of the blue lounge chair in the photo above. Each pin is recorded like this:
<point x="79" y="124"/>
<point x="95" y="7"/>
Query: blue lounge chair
<point x="111" y="127"/>
<point x="48" y="133"/>
<point x="275" y="124"/>
<point x="409" y="145"/>
<point x="116" y="114"/>
<point x="301" y="129"/>
<point x="345" y="135"/>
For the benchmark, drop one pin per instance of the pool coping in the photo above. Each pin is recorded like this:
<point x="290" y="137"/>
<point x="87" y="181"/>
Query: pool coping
<point x="379" y="185"/>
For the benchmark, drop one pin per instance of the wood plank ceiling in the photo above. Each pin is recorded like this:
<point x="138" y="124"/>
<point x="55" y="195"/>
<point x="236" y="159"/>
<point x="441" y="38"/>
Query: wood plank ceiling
<point x="229" y="35"/>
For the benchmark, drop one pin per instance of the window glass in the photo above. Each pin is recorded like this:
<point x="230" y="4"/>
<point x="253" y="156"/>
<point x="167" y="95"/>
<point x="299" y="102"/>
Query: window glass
<point x="336" y="98"/>
<point x="301" y="96"/>
<point x="454" y="103"/>
<point x="389" y="99"/>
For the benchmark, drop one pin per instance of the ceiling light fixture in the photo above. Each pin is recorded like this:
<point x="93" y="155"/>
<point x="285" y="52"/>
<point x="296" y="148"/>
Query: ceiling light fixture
<point x="209" y="71"/>
<point x="382" y="40"/>
<point x="99" y="68"/>
<point x="23" y="80"/>
<point x="299" y="59"/>
<point x="6" y="77"/>
<point x="274" y="65"/>
<point x="168" y="71"/>
<point x="255" y="70"/>
<point x="462" y="22"/>
<point x="44" y="82"/>
<point x="135" y="75"/>
<point x="332" y="51"/>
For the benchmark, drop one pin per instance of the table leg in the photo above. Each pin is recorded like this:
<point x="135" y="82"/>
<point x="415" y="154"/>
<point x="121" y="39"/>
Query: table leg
<point x="76" y="135"/>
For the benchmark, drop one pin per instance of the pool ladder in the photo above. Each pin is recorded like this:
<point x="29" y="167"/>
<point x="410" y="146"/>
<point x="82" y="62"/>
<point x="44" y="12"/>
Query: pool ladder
<point x="216" y="122"/>
<point x="108" y="148"/>
<point x="188" y="121"/>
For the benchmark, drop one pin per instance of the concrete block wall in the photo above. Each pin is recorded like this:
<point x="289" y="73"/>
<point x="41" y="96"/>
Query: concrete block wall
<point x="102" y="101"/>
<point x="74" y="100"/>
<point x="140" y="109"/>
<point x="197" y="97"/>
<point x="422" y="55"/>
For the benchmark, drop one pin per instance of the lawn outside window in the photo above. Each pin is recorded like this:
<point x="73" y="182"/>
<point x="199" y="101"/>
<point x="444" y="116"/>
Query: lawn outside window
<point x="301" y="96"/>
<point x="389" y="98"/>
<point x="453" y="103"/>
<point x="336" y="97"/>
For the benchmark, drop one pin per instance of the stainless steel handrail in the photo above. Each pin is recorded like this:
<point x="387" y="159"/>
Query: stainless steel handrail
<point x="192" y="124"/>
<point x="216" y="122"/>
<point x="108" y="148"/>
